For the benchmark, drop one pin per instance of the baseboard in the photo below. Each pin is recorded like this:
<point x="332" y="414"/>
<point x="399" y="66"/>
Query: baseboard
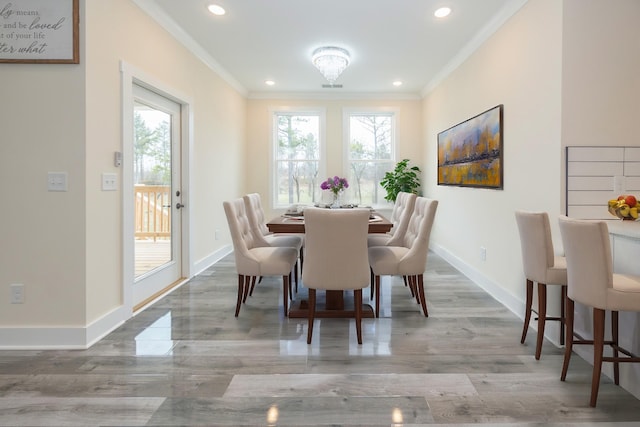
<point x="62" y="338"/>
<point x="206" y="262"/>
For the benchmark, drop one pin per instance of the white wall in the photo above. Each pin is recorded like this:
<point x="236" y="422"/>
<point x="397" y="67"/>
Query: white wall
<point x="408" y="134"/>
<point x="66" y="247"/>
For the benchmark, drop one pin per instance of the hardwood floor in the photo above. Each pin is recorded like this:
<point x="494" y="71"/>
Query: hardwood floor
<point x="186" y="360"/>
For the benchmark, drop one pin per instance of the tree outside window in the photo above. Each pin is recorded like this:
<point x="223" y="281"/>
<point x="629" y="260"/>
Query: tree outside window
<point x="370" y="155"/>
<point x="297" y="158"/>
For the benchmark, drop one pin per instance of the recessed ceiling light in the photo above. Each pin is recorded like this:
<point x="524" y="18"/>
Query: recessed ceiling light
<point x="397" y="83"/>
<point x="442" y="12"/>
<point x="216" y="9"/>
<point x="269" y="82"/>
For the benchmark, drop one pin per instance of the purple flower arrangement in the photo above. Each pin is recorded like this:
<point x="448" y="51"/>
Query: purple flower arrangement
<point x="335" y="184"/>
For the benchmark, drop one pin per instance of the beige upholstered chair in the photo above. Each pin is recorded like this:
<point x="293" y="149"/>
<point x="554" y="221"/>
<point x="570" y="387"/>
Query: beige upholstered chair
<point x="253" y="260"/>
<point x="592" y="282"/>
<point x="409" y="257"/>
<point x="543" y="267"/>
<point x="263" y="237"/>
<point x="336" y="256"/>
<point x="400" y="216"/>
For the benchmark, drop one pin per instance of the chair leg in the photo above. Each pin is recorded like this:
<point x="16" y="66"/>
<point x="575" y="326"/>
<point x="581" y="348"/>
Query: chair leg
<point x="240" y="292"/>
<point x="563" y="313"/>
<point x="542" y="317"/>
<point x="311" y="313"/>
<point x="414" y="282"/>
<point x="357" y="299"/>
<point x="373" y="281"/>
<point x="598" y="349"/>
<point x="614" y="345"/>
<point x="295" y="269"/>
<point x="290" y="286"/>
<point x="423" y="299"/>
<point x="286" y="282"/>
<point x="408" y="281"/>
<point x="253" y="284"/>
<point x="527" y="313"/>
<point x="377" y="296"/>
<point x="247" y="286"/>
<point x="568" y="348"/>
<point x="301" y="258"/>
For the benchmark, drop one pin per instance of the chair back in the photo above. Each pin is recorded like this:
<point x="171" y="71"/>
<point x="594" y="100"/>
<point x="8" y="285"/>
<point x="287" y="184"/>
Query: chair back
<point x="416" y="238"/>
<point x="400" y="217"/>
<point x="336" y="248"/>
<point x="401" y="212"/>
<point x="589" y="262"/>
<point x="241" y="234"/>
<point x="255" y="213"/>
<point x="536" y="244"/>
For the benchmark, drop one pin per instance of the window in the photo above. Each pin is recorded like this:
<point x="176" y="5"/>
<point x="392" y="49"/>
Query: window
<point x="297" y="161"/>
<point x="370" y="152"/>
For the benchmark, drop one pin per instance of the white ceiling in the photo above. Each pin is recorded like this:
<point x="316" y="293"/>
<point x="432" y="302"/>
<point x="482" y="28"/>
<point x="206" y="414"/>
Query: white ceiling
<point x="388" y="40"/>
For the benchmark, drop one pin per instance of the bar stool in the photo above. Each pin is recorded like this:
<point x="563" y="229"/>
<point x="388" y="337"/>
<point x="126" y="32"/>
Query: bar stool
<point x="591" y="282"/>
<point x="540" y="265"/>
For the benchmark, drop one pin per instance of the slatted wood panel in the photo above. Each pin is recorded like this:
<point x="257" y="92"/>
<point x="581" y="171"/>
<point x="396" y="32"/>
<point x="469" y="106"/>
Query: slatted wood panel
<point x="597" y="174"/>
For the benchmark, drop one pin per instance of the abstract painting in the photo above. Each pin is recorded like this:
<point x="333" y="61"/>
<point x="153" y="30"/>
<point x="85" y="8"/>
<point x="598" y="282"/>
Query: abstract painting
<point x="470" y="153"/>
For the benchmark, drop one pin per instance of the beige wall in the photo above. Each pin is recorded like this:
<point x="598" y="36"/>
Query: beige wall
<point x="519" y="67"/>
<point x="43" y="241"/>
<point x="409" y="114"/>
<point x="567" y="74"/>
<point x="601" y="73"/>
<point x="66" y="247"/>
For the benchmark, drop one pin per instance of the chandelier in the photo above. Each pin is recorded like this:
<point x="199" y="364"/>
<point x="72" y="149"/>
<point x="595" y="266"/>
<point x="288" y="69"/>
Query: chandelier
<point x="331" y="61"/>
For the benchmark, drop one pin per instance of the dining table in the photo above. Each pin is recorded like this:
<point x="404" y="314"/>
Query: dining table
<point x="294" y="223"/>
<point x="334" y="303"/>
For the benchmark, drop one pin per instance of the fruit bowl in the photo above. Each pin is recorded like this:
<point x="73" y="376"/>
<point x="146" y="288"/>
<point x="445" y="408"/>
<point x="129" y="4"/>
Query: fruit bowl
<point x="625" y="207"/>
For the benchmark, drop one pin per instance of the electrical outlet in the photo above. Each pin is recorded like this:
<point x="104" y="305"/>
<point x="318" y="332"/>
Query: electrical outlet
<point x="17" y="293"/>
<point x="483" y="253"/>
<point x="217" y="234"/>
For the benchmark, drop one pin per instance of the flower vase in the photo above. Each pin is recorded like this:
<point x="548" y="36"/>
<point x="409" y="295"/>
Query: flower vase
<point x="335" y="204"/>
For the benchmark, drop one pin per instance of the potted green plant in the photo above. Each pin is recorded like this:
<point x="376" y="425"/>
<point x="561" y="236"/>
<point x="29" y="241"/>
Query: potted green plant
<point x="402" y="178"/>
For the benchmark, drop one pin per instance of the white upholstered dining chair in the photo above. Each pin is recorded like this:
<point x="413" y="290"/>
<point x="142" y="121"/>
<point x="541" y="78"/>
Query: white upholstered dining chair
<point x="336" y="256"/>
<point x="592" y="282"/>
<point x="400" y="215"/>
<point x="256" y="261"/>
<point x="542" y="266"/>
<point x="409" y="257"/>
<point x="262" y="236"/>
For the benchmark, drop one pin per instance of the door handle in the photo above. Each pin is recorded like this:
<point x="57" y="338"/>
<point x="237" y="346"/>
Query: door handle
<point x="179" y="205"/>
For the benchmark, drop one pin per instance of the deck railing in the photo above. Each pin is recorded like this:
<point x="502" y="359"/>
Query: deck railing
<point x="153" y="211"/>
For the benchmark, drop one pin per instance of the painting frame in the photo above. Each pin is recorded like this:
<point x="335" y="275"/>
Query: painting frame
<point x="470" y="154"/>
<point x="40" y="32"/>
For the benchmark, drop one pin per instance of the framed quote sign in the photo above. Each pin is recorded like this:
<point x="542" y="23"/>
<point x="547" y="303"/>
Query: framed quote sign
<point x="39" y="31"/>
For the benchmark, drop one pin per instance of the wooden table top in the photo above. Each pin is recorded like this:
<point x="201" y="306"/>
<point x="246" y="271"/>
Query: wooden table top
<point x="295" y="224"/>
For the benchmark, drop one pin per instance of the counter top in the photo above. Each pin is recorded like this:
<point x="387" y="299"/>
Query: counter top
<point x="621" y="228"/>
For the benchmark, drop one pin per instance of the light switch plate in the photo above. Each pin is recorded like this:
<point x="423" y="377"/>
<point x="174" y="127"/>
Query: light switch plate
<point x="57" y="181"/>
<point x="109" y="182"/>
